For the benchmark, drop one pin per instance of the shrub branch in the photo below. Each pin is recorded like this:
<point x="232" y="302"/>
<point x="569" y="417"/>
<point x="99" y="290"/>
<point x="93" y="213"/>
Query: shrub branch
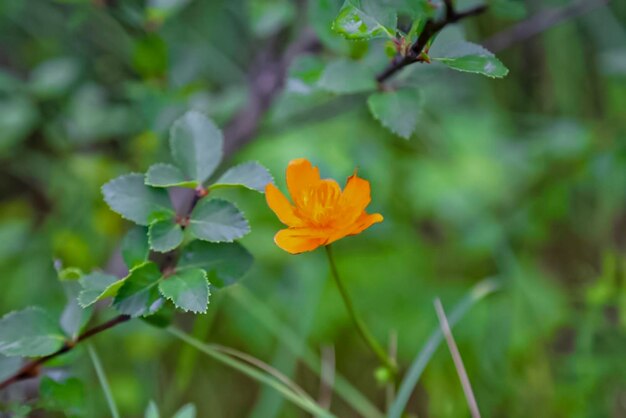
<point x="431" y="28"/>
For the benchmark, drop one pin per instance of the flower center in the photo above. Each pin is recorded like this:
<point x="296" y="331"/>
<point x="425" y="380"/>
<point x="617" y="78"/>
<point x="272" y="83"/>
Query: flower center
<point x="318" y="204"/>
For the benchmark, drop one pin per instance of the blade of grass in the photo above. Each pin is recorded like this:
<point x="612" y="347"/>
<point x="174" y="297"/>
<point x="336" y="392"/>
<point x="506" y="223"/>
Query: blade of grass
<point x="478" y="292"/>
<point x="277" y="374"/>
<point x="103" y="381"/>
<point x="251" y="372"/>
<point x="284" y="333"/>
<point x="458" y="361"/>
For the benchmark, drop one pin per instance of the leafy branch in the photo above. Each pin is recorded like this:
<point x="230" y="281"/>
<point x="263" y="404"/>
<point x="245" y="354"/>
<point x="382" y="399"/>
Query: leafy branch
<point x="417" y="51"/>
<point x="240" y="130"/>
<point x="31" y="369"/>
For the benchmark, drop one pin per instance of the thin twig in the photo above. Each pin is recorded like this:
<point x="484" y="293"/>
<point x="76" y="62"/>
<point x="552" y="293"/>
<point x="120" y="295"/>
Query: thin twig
<point x="539" y="23"/>
<point x="431" y="28"/>
<point x="458" y="362"/>
<point x="31" y="369"/>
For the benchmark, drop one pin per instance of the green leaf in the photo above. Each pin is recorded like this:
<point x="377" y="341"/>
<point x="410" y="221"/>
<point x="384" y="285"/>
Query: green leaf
<point x="397" y="110"/>
<point x="135" y="246"/>
<point x="150" y="55"/>
<point x="188" y="289"/>
<point x="187" y="411"/>
<point x="9" y="365"/>
<point x="225" y="263"/>
<point x="365" y="19"/>
<point x="139" y="294"/>
<point x="251" y="175"/>
<point x="53" y="78"/>
<point x="268" y="17"/>
<point x="159" y="10"/>
<point x="469" y="57"/>
<point x="133" y="200"/>
<point x="30" y="332"/>
<point x="344" y="76"/>
<point x="167" y="175"/>
<point x="304" y="73"/>
<point x="18" y="118"/>
<point x="152" y="411"/>
<point x="74" y="317"/>
<point x="197" y="145"/>
<point x="97" y="286"/>
<point x="66" y="396"/>
<point x="217" y="220"/>
<point x="165" y="235"/>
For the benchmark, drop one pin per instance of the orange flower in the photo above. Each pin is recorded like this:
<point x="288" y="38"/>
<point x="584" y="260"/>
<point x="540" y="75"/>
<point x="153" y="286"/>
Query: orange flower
<point x="321" y="212"/>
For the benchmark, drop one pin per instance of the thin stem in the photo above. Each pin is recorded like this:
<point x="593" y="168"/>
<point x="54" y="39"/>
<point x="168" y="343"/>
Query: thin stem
<point x="358" y="322"/>
<point x="268" y="319"/>
<point x="255" y="374"/>
<point x="103" y="381"/>
<point x="458" y="362"/>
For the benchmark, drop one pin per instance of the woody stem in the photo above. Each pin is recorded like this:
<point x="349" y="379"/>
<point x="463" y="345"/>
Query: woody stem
<point x="358" y="322"/>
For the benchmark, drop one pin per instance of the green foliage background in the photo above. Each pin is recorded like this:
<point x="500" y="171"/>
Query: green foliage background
<point x="521" y="178"/>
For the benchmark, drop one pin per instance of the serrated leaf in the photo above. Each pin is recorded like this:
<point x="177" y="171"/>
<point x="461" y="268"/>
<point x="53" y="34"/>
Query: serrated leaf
<point x="135" y="246"/>
<point x="152" y="411"/>
<point x="165" y="235"/>
<point x="225" y="263"/>
<point x="128" y="196"/>
<point x="74" y="317"/>
<point x="139" y="294"/>
<point x="217" y="220"/>
<point x="9" y="365"/>
<point x="397" y="110"/>
<point x="167" y="175"/>
<point x="344" y="76"/>
<point x="187" y="411"/>
<point x="251" y="175"/>
<point x="30" y="332"/>
<point x="188" y="289"/>
<point x="469" y="57"/>
<point x="365" y="19"/>
<point x="97" y="286"/>
<point x="197" y="145"/>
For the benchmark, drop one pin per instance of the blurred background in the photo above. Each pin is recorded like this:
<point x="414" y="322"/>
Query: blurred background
<point x="521" y="179"/>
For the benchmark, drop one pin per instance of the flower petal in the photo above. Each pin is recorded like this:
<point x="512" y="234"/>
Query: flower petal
<point x="301" y="175"/>
<point x="355" y="198"/>
<point x="281" y="206"/>
<point x="365" y="221"/>
<point x="362" y="223"/>
<point x="298" y="240"/>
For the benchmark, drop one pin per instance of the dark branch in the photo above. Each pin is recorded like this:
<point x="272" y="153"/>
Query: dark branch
<point x="266" y="81"/>
<point x="31" y="369"/>
<point x="539" y="23"/>
<point x="431" y="28"/>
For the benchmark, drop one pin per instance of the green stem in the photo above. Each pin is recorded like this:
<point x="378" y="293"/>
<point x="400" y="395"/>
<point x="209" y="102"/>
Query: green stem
<point x="358" y="322"/>
<point x="103" y="381"/>
<point x="287" y="392"/>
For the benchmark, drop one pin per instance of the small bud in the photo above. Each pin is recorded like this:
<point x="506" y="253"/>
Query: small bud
<point x="383" y="375"/>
